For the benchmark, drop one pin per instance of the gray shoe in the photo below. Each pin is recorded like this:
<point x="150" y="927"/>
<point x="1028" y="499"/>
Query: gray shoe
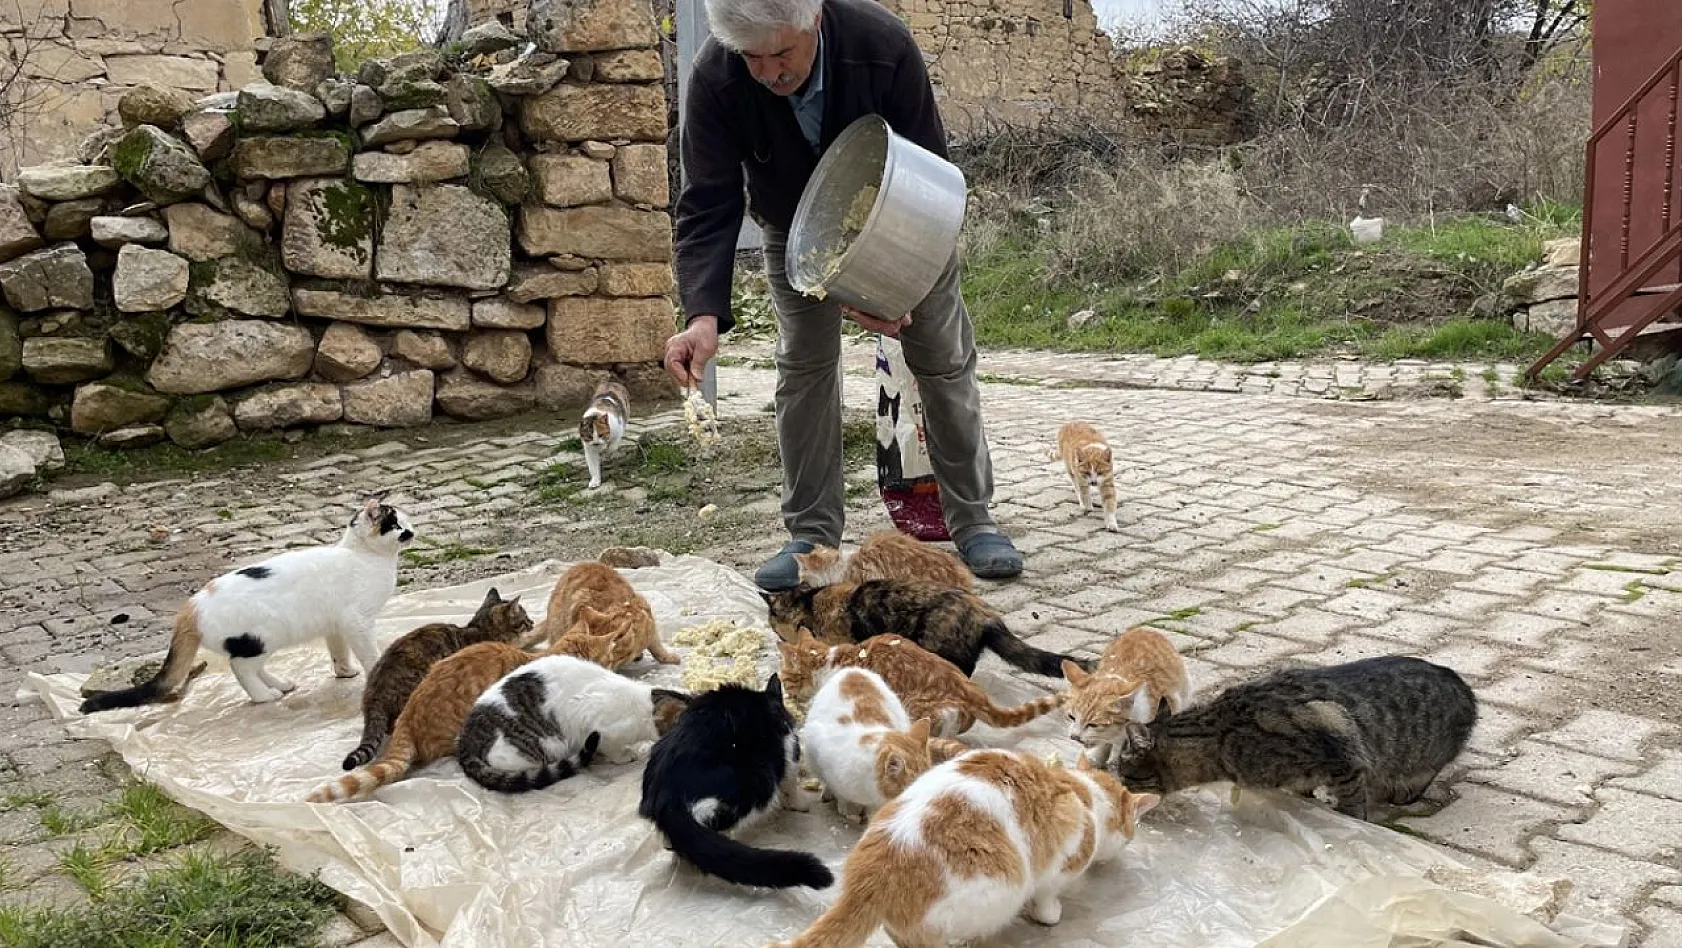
<point x="990" y="556"/>
<point x="781" y="571"/>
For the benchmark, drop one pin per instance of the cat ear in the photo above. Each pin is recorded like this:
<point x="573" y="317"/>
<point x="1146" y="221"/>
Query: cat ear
<point x="774" y="689"/>
<point x="1073" y="674"/>
<point x="895" y="765"/>
<point x="1142" y="803"/>
<point x="919" y="732"/>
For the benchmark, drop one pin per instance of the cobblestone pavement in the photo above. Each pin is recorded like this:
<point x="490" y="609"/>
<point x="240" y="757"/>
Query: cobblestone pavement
<point x="1530" y="545"/>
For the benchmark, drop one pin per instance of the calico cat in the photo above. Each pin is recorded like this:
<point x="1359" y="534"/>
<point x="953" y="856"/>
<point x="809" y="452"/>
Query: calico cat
<point x="1086" y="456"/>
<point x="1374" y="730"/>
<point x="861" y="743"/>
<point x="929" y="686"/>
<point x="522" y="731"/>
<point x="972" y="844"/>
<point x="603" y="425"/>
<point x="732" y="756"/>
<point x="885" y="554"/>
<point x="332" y="592"/>
<point x="952" y="623"/>
<point x="426" y="730"/>
<point x="406" y="661"/>
<point x="1138" y="673"/>
<point x="611" y="609"/>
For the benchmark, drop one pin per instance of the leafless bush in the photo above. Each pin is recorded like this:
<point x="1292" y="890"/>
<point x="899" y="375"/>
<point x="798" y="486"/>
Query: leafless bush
<point x="22" y="38"/>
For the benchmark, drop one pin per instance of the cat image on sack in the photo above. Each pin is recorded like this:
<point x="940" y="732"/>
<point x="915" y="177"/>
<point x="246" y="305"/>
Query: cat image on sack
<point x="426" y="730"/>
<point x="928" y="685"/>
<point x="954" y="624"/>
<point x="1137" y="675"/>
<point x="332" y="592"/>
<point x="406" y="661"/>
<point x="885" y="554"/>
<point x="731" y="758"/>
<point x="618" y="624"/>
<point x="861" y="743"/>
<point x="972" y="844"/>
<point x="546" y="719"/>
<point x="1368" y="732"/>
<point x="602" y="426"/>
<point x="1086" y="456"/>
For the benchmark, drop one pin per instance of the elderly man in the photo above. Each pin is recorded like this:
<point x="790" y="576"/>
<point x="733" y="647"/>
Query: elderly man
<point x="773" y="87"/>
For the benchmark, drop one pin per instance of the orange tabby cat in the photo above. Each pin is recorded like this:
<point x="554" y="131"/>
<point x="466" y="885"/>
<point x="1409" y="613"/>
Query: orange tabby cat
<point x="973" y="843"/>
<point x="885" y="554"/>
<point x="930" y="686"/>
<point x="1086" y="456"/>
<point x="1110" y="706"/>
<point x="610" y="607"/>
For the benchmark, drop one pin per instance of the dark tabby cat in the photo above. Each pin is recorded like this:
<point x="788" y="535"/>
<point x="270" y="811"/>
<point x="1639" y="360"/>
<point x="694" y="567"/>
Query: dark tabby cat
<point x="1373" y="731"/>
<point x="952" y="623"/>
<point x="406" y="661"/>
<point x="729" y="759"/>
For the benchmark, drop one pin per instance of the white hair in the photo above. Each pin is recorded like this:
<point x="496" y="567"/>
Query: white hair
<point x="740" y="24"/>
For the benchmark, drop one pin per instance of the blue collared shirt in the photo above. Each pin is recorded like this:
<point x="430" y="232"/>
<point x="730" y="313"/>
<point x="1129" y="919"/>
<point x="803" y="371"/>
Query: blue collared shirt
<point x="808" y="105"/>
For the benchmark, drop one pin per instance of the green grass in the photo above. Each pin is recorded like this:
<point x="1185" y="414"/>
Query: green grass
<point x="85" y="457"/>
<point x="197" y="901"/>
<point x="1178" y="615"/>
<point x="1289" y="292"/>
<point x="61" y="822"/>
<point x="87" y="867"/>
<point x="155" y="822"/>
<point x="560" y="482"/>
<point x="435" y="554"/>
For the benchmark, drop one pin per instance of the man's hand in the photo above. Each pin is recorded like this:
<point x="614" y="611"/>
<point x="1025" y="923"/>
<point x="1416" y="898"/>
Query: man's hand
<point x="883" y="326"/>
<point x="688" y="352"/>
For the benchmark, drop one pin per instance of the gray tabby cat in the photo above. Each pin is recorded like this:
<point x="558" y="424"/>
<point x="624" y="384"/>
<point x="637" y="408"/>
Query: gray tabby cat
<point x="1377" y="730"/>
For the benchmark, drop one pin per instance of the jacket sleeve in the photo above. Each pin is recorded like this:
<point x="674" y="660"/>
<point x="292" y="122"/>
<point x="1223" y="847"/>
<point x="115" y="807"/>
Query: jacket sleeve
<point x="709" y="208"/>
<point x="910" y="107"/>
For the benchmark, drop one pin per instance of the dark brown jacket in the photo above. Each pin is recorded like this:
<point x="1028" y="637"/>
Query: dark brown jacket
<point x="732" y="125"/>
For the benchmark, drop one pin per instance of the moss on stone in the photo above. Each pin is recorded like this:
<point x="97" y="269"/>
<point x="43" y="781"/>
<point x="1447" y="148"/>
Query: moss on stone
<point x="130" y="153"/>
<point x="193" y="405"/>
<point x="142" y="335"/>
<point x="347" y="211"/>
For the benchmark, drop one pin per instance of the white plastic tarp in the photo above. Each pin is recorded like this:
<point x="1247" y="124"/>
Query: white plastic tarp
<point x="446" y="863"/>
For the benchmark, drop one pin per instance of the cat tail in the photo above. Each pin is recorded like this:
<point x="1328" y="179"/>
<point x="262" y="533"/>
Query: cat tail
<point x="375" y="727"/>
<point x="551" y="772"/>
<point x="399" y="757"/>
<point x="849" y="922"/>
<point x="997" y="636"/>
<point x="718" y="855"/>
<point x="183" y="648"/>
<point x="991" y="714"/>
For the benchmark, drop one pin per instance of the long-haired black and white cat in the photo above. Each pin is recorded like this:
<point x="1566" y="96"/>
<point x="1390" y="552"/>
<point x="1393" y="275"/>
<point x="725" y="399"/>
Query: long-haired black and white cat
<point x="332" y="592"/>
<point x="727" y="762"/>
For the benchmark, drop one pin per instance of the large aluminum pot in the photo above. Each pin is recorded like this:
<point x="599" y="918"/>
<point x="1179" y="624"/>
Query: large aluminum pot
<point x="906" y="241"/>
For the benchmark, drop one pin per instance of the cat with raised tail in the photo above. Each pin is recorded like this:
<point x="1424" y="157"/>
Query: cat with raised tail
<point x="972" y="844"/>
<point x="1367" y="732"/>
<point x="405" y="662"/>
<point x="602" y="426"/>
<point x="731" y="758"/>
<point x="1087" y="459"/>
<point x="332" y="592"/>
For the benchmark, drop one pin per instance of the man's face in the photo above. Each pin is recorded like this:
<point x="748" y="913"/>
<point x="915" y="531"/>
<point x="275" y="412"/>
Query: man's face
<point x="783" y="62"/>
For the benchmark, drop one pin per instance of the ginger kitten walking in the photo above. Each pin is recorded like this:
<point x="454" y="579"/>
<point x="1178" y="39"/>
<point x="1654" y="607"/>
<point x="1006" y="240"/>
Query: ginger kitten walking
<point x="1086" y="456"/>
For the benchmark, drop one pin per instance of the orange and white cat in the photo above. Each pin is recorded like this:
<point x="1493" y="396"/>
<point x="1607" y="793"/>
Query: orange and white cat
<point x="1111" y="706"/>
<point x="1087" y="458"/>
<point x="930" y="686"/>
<point x="885" y="554"/>
<point x="619" y="622"/>
<point x="859" y="740"/>
<point x="973" y="843"/>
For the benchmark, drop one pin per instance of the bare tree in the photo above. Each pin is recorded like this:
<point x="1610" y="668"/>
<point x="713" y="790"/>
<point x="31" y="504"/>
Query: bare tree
<point x="23" y="93"/>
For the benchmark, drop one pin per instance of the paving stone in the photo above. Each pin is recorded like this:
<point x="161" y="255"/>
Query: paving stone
<point x="1606" y="733"/>
<point x="1489" y="822"/>
<point x="1553" y="773"/>
<point x="1633" y="824"/>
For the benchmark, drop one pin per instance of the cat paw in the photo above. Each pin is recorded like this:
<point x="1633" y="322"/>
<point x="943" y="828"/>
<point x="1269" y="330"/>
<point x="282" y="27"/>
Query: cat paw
<point x="283" y="686"/>
<point x="1046" y="911"/>
<point x="265" y="696"/>
<point x="797" y="800"/>
<point x="1111" y="525"/>
<point x="342" y="671"/>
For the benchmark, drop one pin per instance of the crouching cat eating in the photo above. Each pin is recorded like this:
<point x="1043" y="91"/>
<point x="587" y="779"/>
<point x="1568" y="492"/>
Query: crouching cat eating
<point x="862" y="744"/>
<point x="332" y="592"/>
<point x="973" y="843"/>
<point x="548" y="717"/>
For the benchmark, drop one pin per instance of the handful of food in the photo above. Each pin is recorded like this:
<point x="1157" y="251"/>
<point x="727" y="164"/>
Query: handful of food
<point x="720" y="652"/>
<point x="702" y="420"/>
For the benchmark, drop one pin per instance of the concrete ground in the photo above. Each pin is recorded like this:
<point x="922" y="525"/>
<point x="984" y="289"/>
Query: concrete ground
<point x="1314" y="513"/>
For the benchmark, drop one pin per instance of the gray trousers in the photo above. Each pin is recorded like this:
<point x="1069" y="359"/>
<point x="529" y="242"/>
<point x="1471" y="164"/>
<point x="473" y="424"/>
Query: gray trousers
<point x="939" y="348"/>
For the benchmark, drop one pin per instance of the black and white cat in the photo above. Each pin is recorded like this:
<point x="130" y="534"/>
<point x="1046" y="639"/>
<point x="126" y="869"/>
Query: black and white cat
<point x="727" y="762"/>
<point x="536" y="725"/>
<point x="332" y="592"/>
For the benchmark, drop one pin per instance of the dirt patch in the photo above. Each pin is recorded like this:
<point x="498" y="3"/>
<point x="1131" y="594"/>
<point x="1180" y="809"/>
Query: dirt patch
<point x="1597" y="478"/>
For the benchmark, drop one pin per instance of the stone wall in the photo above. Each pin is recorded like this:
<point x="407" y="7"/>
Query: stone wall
<point x="1185" y="96"/>
<point x="1019" y="62"/>
<point x="76" y="59"/>
<point x="472" y="231"/>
